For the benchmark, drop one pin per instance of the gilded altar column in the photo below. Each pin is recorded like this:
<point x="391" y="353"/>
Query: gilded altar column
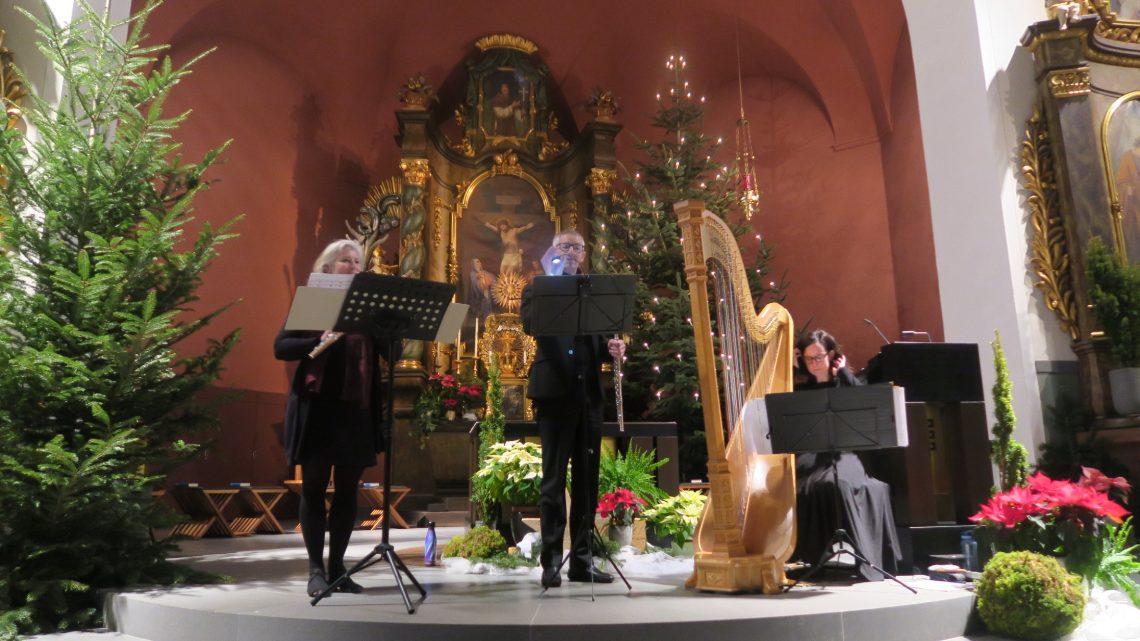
<point x="412" y="254"/>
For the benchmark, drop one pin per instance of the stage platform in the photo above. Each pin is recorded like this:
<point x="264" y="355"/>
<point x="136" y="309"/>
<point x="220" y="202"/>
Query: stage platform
<point x="267" y="601"/>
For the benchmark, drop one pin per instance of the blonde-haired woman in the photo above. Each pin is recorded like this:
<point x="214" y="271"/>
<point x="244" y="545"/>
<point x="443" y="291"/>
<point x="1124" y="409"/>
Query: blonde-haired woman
<point x="332" y="427"/>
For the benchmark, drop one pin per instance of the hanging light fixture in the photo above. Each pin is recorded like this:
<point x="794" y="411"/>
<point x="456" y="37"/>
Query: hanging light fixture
<point x="747" y="189"/>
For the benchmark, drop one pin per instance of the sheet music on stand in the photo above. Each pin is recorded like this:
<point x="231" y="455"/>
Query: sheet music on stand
<point x="583" y="304"/>
<point x="332" y="302"/>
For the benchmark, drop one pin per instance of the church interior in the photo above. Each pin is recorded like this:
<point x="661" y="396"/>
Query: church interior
<point x="918" y="179"/>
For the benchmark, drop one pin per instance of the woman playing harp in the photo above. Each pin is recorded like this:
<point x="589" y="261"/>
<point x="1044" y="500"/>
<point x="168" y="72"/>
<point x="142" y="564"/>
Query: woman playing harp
<point x="748" y="530"/>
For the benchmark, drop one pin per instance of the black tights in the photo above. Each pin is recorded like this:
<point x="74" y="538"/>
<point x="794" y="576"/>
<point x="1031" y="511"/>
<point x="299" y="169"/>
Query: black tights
<point x="341" y="515"/>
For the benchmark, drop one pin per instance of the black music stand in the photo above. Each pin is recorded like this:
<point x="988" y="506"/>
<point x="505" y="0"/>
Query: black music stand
<point x="390" y="309"/>
<point x="584" y="305"/>
<point x="833" y="420"/>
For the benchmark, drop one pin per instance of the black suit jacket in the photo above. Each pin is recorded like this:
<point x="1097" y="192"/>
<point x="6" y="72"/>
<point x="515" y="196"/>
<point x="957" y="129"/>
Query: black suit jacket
<point x="553" y="373"/>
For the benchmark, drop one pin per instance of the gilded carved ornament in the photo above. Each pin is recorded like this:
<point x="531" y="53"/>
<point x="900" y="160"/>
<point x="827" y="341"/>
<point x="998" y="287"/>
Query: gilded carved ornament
<point x="572" y="213"/>
<point x="603" y="105"/>
<point x="506" y="163"/>
<point x="601" y="180"/>
<point x="436" y="221"/>
<point x="1068" y="83"/>
<point x="380" y="214"/>
<point x="416" y="93"/>
<point x="506" y="41"/>
<point x="416" y="171"/>
<point x="11" y="91"/>
<point x="1050" y="257"/>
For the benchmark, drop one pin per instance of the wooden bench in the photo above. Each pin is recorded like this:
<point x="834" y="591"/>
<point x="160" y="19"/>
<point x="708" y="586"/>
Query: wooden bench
<point x="373" y="497"/>
<point x="205" y="507"/>
<point x="258" y="504"/>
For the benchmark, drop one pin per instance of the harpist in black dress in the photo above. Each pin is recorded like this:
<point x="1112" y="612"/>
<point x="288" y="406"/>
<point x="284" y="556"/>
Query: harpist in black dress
<point x="864" y="503"/>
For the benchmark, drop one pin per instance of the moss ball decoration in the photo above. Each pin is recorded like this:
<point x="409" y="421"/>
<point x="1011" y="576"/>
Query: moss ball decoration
<point x="480" y="543"/>
<point x="1025" y="595"/>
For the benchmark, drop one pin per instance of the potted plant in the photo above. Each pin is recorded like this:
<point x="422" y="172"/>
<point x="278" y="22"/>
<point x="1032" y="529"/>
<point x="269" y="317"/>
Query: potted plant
<point x="1115" y="294"/>
<point x="444" y="398"/>
<point x="677" y="516"/>
<point x="512" y="473"/>
<point x="1077" y="522"/>
<point x="620" y="508"/>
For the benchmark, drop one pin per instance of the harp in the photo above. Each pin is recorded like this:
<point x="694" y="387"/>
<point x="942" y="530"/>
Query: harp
<point x="748" y="529"/>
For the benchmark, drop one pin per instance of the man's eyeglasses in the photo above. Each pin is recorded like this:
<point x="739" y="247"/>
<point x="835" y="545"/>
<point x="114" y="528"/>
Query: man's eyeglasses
<point x="816" y="359"/>
<point x="577" y="248"/>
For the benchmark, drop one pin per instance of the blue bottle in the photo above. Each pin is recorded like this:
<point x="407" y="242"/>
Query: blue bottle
<point x="429" y="544"/>
<point x="969" y="552"/>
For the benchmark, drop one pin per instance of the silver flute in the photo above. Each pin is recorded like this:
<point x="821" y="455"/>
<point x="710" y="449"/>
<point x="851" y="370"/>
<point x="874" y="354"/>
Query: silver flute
<point x="617" y="392"/>
<point x="325" y="343"/>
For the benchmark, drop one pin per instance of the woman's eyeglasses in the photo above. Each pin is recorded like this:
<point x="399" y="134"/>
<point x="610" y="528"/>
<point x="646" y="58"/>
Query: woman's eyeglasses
<point x="816" y="359"/>
<point x="571" y="247"/>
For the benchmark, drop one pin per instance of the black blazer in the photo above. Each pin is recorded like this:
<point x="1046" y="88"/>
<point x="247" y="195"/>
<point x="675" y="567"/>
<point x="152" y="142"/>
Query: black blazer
<point x="552" y="373"/>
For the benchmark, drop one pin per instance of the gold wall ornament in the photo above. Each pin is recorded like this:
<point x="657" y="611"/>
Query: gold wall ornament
<point x="507" y="291"/>
<point x="603" y="105"/>
<point x="11" y="92"/>
<point x="571" y="210"/>
<point x="380" y="214"/>
<point x="416" y="171"/>
<point x="506" y="41"/>
<point x="1116" y="212"/>
<point x="416" y="94"/>
<point x="601" y="180"/>
<point x="1050" y="260"/>
<point x="506" y="163"/>
<point x="511" y="348"/>
<point x="436" y="221"/>
<point x="1068" y="83"/>
<point x="552" y="148"/>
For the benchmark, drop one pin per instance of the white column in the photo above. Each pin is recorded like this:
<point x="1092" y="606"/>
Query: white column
<point x="975" y="91"/>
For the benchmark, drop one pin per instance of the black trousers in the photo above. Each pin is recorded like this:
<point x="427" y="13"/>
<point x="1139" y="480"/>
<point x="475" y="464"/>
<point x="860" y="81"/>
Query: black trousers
<point x="571" y="432"/>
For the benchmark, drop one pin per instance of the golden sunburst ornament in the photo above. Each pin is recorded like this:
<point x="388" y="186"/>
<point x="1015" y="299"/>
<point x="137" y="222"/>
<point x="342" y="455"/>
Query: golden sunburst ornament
<point x="507" y="291"/>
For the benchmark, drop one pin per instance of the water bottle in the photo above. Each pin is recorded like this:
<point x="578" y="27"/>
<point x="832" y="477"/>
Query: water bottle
<point x="429" y="544"/>
<point x="969" y="552"/>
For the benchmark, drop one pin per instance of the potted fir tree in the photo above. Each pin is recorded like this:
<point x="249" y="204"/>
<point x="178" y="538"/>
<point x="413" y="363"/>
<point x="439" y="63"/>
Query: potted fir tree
<point x="1115" y="294"/>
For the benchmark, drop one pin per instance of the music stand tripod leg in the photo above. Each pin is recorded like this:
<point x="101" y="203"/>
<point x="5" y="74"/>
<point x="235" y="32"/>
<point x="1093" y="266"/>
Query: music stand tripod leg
<point x="384" y="549"/>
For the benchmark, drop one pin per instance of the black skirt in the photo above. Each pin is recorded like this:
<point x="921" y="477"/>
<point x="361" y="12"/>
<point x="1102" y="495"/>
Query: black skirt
<point x="862" y="506"/>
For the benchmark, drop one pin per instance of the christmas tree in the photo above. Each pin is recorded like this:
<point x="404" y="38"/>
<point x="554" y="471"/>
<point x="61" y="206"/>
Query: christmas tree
<point x="641" y="236"/>
<point x="96" y="273"/>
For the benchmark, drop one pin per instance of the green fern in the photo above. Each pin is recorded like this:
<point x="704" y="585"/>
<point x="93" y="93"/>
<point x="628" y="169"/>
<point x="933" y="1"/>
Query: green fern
<point x="633" y="471"/>
<point x="1118" y="561"/>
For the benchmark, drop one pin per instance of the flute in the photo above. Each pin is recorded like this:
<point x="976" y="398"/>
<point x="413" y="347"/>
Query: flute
<point x="617" y="392"/>
<point x="325" y="343"/>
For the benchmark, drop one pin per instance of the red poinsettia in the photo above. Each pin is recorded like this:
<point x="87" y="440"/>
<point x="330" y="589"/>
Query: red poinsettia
<point x="1042" y="496"/>
<point x="1056" y="517"/>
<point x="620" y="506"/>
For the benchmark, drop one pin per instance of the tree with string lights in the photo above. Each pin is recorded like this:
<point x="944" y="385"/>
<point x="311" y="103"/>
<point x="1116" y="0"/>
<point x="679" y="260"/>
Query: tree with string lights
<point x="641" y="236"/>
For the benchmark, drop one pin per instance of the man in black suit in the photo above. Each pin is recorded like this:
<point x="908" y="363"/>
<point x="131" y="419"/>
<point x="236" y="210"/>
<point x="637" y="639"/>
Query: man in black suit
<point x="566" y="386"/>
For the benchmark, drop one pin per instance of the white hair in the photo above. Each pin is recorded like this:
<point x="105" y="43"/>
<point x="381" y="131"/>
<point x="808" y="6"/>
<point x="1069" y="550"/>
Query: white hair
<point x="567" y="232"/>
<point x="325" y="261"/>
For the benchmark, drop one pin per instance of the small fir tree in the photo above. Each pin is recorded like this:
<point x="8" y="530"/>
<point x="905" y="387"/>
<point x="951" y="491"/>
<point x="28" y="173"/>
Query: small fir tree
<point x="642" y="237"/>
<point x="1006" y="452"/>
<point x="491" y="431"/>
<point x="97" y="271"/>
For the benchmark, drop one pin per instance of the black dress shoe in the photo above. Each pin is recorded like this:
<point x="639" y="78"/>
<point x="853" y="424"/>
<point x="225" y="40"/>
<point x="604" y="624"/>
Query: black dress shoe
<point x="592" y="574"/>
<point x="347" y="585"/>
<point x="317" y="583"/>
<point x="551" y="578"/>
